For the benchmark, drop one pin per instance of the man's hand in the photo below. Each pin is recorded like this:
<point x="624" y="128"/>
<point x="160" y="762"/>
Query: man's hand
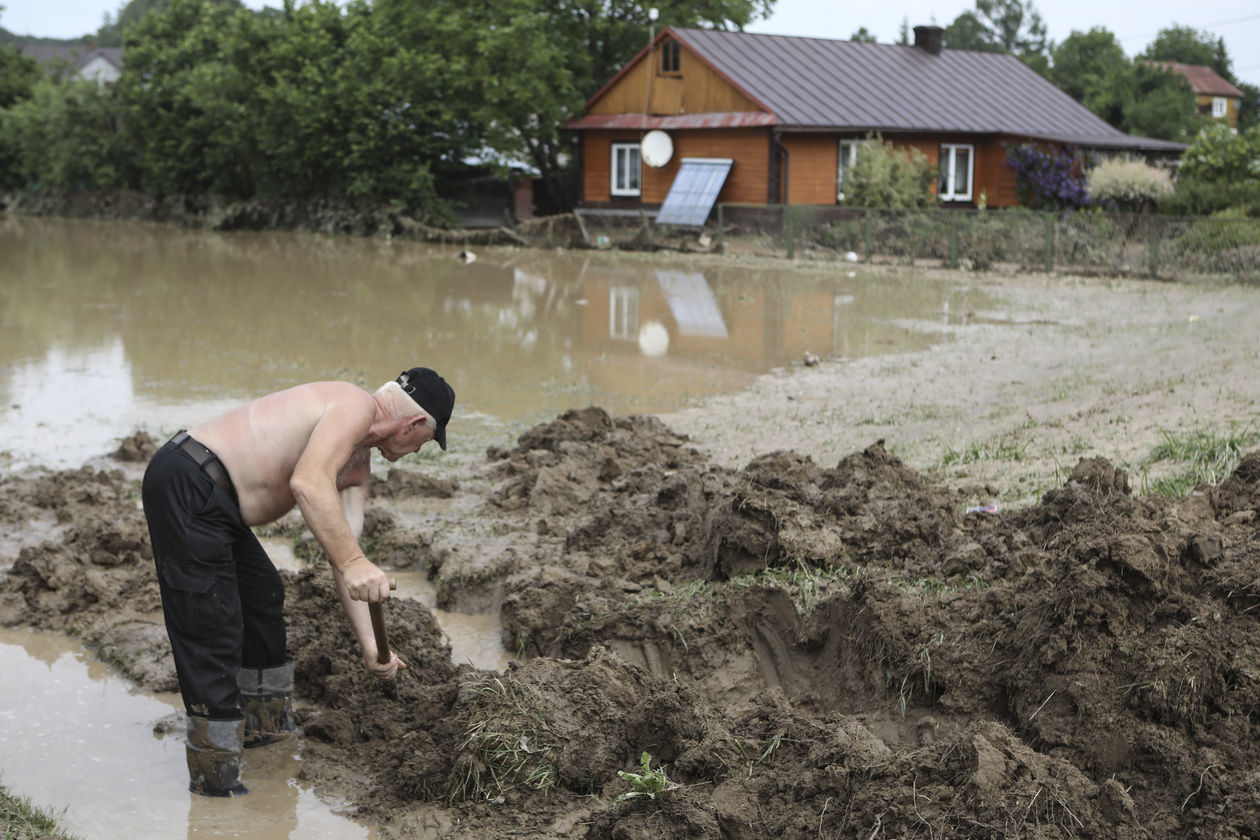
<point x="364" y="581"/>
<point x="383" y="671"/>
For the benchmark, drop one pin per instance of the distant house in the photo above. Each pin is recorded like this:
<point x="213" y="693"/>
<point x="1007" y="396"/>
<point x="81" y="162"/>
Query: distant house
<point x="768" y="119"/>
<point x="102" y="65"/>
<point x="1216" y="97"/>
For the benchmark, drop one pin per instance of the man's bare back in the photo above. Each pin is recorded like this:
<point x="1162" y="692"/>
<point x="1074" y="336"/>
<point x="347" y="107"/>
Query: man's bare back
<point x="262" y="442"/>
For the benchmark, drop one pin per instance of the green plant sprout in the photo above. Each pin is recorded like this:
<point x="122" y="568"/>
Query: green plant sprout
<point x="648" y="783"/>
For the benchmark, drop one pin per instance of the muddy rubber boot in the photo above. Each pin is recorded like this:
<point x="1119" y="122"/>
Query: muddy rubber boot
<point x="267" y="703"/>
<point x="214" y="756"/>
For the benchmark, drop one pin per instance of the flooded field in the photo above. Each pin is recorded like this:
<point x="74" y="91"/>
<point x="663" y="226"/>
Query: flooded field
<point x="783" y="589"/>
<point x="106" y="328"/>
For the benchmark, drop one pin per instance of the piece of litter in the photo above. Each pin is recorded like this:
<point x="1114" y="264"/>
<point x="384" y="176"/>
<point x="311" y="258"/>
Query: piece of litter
<point x="982" y="509"/>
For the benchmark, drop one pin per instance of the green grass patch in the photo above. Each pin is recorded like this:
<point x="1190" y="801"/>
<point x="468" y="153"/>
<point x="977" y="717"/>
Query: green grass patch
<point x="1002" y="448"/>
<point x="20" y="820"/>
<point x="1205" y="456"/>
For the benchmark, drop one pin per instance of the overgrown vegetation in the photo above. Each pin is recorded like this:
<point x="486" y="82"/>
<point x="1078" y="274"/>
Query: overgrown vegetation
<point x="1206" y="456"/>
<point x="886" y="176"/>
<point x="21" y="820"/>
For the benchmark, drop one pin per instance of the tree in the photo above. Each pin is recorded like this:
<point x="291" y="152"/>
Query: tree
<point x="1084" y="61"/>
<point x="1190" y="46"/>
<point x="863" y="35"/>
<point x="114" y="28"/>
<point x="1009" y="26"/>
<point x="18" y="74"/>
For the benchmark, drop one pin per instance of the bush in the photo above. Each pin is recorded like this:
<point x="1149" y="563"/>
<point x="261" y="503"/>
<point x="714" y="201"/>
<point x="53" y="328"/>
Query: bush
<point x="1218" y="154"/>
<point x="1199" y="197"/>
<point x="1126" y="184"/>
<point x="1049" y="177"/>
<point x="888" y="177"/>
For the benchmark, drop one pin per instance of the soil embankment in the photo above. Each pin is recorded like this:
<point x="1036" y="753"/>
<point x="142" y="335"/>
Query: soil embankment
<point x="830" y="650"/>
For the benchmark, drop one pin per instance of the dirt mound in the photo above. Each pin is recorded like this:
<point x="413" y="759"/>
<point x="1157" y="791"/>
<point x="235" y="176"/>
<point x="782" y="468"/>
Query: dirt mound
<point x="803" y="650"/>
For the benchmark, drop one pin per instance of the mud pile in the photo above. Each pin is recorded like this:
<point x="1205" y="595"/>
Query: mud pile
<point x="808" y="651"/>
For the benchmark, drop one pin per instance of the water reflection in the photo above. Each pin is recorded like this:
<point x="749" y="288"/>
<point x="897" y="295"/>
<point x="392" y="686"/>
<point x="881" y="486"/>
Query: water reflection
<point x="128" y="325"/>
<point x="78" y="738"/>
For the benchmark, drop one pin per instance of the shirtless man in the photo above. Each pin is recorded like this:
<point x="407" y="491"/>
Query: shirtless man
<point x="310" y="447"/>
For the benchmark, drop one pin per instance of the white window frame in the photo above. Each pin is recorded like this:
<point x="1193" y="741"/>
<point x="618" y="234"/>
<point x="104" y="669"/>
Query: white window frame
<point x="841" y="168"/>
<point x="623" y="313"/>
<point x="947" y="189"/>
<point x="1220" y="106"/>
<point x="624" y="156"/>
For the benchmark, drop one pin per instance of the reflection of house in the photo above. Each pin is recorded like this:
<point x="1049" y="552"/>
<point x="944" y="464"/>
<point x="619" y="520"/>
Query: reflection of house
<point x="102" y="65"/>
<point x="1216" y="97"/>
<point x="789" y="114"/>
<point x="744" y="324"/>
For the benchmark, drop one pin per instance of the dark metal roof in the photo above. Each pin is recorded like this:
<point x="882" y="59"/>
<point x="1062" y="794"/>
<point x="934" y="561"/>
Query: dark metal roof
<point x="823" y="84"/>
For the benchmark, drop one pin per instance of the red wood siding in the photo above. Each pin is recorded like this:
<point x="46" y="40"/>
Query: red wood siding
<point x="747" y="183"/>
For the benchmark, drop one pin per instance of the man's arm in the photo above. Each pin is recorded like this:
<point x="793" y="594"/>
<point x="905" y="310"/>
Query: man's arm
<point x="353" y="501"/>
<point x="314" y="485"/>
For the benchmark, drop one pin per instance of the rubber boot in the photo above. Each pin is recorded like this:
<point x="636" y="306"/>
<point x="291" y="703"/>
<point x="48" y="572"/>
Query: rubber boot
<point x="214" y="756"/>
<point x="267" y="703"/>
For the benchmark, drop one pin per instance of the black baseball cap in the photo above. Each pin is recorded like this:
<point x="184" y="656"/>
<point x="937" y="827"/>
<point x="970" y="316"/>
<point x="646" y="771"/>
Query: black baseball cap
<point x="431" y="393"/>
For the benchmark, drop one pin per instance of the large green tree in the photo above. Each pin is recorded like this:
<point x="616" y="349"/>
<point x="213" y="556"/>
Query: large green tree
<point x="1084" y="61"/>
<point x="115" y="26"/>
<point x="1006" y="26"/>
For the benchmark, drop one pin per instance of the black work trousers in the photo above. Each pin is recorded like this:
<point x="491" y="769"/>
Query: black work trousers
<point x="221" y="595"/>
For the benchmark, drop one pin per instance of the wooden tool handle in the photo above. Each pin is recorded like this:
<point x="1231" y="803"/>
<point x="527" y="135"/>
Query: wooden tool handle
<point x="378" y="627"/>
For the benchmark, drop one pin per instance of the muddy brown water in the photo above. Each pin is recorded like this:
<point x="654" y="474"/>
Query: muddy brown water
<point x="106" y="328"/>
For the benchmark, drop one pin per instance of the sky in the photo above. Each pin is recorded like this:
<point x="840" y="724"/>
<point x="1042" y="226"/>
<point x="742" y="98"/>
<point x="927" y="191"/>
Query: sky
<point x="1134" y="23"/>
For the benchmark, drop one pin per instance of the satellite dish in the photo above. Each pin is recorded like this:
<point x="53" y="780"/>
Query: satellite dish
<point x="657" y="149"/>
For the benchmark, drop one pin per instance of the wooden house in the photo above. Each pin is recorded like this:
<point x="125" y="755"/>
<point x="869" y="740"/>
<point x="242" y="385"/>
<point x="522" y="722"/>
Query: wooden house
<point x="1214" y="96"/>
<point x="769" y="119"/>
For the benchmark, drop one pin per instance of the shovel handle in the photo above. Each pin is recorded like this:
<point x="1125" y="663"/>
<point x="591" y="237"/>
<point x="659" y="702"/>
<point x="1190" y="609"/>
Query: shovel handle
<point x="378" y="629"/>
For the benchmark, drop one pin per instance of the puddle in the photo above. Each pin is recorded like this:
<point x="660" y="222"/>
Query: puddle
<point x="475" y="639"/>
<point x="75" y="737"/>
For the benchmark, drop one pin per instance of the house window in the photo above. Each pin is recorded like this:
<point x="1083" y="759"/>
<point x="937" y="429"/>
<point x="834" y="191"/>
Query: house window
<point x="670" y="54"/>
<point x="956" y="171"/>
<point x="626" y="169"/>
<point x="1220" y="106"/>
<point x="623" y="313"/>
<point x="844" y="163"/>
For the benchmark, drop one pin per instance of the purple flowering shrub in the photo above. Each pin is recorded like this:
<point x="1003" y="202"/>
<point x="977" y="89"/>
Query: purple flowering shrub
<point x="1049" y="177"/>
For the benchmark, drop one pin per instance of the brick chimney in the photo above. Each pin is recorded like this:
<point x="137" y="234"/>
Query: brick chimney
<point x="929" y="38"/>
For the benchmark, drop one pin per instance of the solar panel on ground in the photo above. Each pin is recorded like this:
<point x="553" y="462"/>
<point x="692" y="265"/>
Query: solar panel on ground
<point x="695" y="189"/>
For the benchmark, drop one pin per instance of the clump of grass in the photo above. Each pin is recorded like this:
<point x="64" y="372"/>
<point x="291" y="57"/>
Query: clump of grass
<point x="648" y="783"/>
<point x="806" y="584"/>
<point x="510" y="738"/>
<point x="1003" y="448"/>
<point x="1206" y="456"/>
<point x="21" y="820"/>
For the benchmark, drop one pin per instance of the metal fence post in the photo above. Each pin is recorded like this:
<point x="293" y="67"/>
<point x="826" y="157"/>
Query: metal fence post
<point x="721" y="239"/>
<point x="866" y="233"/>
<point x="953" y="242"/>
<point x="791" y="233"/>
<point x="1049" y="259"/>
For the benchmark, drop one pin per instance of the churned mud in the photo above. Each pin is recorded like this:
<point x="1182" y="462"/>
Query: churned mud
<point x="808" y="649"/>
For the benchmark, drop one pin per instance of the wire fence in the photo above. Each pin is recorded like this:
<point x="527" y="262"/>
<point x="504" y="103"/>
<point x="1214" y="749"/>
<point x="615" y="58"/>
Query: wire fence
<point x="1091" y="241"/>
